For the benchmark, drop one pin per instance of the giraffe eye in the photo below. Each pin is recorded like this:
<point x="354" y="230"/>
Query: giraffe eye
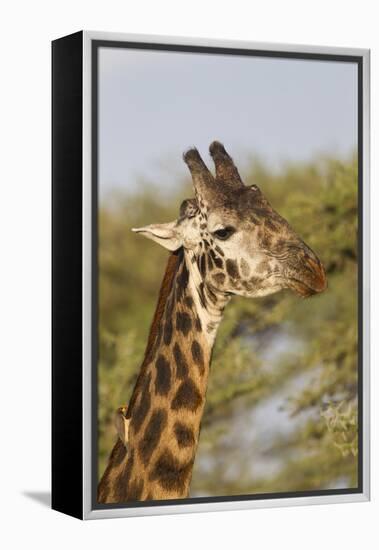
<point x="224" y="233"/>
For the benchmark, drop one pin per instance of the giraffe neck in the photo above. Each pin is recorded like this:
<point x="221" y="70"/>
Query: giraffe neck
<point x="168" y="401"/>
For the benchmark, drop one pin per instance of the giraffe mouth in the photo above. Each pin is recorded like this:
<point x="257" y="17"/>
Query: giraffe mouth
<point x="302" y="289"/>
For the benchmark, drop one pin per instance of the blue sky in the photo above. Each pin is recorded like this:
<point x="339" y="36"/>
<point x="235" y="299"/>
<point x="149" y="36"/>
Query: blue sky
<point x="155" y="105"/>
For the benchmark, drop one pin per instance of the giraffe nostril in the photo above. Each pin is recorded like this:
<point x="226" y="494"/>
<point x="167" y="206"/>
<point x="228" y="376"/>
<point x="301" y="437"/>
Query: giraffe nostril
<point x="317" y="280"/>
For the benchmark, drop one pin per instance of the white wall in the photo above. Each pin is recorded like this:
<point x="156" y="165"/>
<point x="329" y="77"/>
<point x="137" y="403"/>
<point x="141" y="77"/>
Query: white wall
<point x="27" y="28"/>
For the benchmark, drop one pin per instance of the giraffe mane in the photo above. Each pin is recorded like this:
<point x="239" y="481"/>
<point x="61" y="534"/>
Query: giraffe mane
<point x="173" y="263"/>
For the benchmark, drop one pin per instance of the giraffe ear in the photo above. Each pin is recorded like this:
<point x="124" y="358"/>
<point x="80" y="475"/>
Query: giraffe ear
<point x="166" y="234"/>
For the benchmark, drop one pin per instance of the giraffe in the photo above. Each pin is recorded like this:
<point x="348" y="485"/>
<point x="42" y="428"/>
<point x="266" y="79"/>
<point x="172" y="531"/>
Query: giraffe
<point x="227" y="241"/>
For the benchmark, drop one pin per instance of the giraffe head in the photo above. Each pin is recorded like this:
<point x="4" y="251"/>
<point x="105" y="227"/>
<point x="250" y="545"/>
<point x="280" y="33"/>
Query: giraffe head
<point x="238" y="242"/>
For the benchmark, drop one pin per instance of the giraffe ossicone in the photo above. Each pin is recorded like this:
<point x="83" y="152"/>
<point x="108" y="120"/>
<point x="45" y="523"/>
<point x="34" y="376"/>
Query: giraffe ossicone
<point x="226" y="241"/>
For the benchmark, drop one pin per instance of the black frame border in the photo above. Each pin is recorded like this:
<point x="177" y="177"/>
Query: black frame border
<point x="227" y="51"/>
<point x="67" y="291"/>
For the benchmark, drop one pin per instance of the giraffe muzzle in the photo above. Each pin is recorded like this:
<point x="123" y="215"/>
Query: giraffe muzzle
<point x="310" y="278"/>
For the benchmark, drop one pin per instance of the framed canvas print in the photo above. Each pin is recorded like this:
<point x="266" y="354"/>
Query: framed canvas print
<point x="210" y="275"/>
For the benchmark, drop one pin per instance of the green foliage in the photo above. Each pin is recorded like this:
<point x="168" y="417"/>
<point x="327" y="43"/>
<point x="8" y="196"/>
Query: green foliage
<point x="281" y="412"/>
